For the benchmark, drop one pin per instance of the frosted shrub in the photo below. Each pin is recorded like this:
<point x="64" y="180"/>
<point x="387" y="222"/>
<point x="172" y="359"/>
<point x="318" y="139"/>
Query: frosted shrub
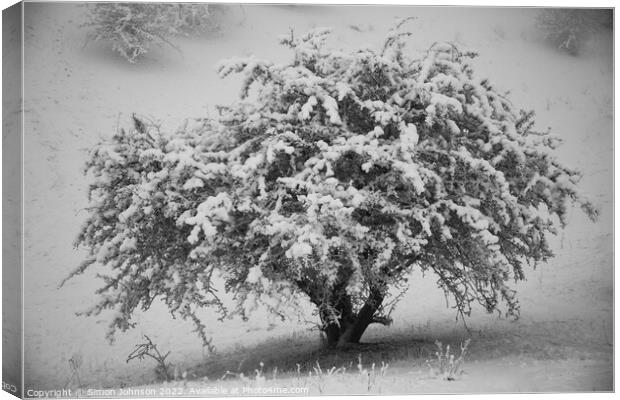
<point x="134" y="27"/>
<point x="568" y="29"/>
<point x="192" y="19"/>
<point x="331" y="178"/>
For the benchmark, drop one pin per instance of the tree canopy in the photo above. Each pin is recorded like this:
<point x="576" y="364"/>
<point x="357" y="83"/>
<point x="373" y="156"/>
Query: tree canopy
<point x="332" y="177"/>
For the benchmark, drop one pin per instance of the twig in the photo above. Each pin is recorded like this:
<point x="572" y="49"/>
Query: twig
<point x="144" y="350"/>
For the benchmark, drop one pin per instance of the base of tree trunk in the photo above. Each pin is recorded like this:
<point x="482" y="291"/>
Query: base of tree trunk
<point x="345" y="334"/>
<point x="351" y="326"/>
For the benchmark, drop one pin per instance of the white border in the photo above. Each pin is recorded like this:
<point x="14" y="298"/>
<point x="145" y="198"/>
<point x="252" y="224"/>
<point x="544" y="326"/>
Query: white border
<point x="546" y="3"/>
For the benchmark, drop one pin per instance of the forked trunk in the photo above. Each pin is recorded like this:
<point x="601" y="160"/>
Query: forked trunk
<point x="350" y="327"/>
<point x="345" y="332"/>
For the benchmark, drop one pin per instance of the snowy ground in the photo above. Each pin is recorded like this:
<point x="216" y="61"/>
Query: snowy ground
<point x="75" y="94"/>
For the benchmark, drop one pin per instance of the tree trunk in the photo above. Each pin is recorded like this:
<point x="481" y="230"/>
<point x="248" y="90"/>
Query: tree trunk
<point x="341" y="325"/>
<point x="350" y="327"/>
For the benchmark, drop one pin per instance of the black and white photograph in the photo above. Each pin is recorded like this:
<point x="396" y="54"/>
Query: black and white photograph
<point x="296" y="199"/>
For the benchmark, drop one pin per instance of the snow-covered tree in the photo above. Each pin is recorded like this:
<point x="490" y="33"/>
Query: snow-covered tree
<point x="331" y="178"/>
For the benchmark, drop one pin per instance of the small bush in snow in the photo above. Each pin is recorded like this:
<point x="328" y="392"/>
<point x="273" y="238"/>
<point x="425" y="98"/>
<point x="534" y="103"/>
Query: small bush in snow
<point x="568" y="29"/>
<point x="134" y="27"/>
<point x="149" y="349"/>
<point x="193" y="19"/>
<point x="332" y="178"/>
